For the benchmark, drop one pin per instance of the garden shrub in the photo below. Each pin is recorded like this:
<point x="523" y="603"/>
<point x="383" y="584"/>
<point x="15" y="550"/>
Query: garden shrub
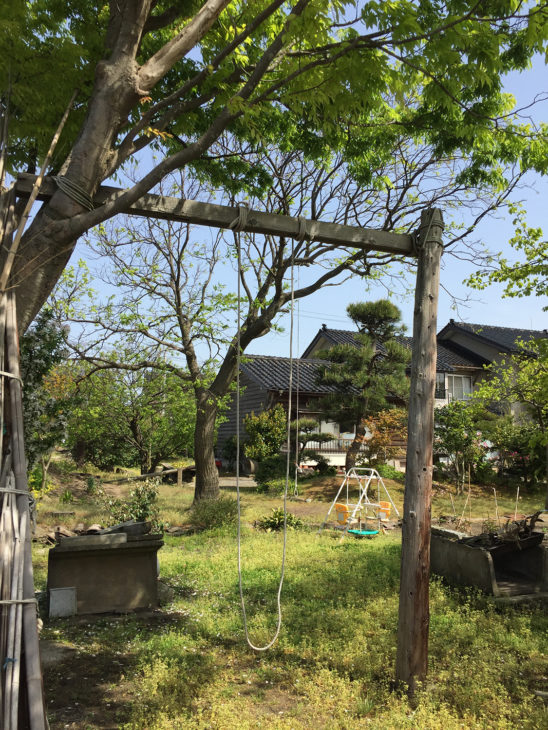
<point x="387" y="471"/>
<point x="141" y="506"/>
<point x="210" y="513"/>
<point x="276" y="486"/>
<point x="483" y="473"/>
<point x="266" y="433"/>
<point x="272" y="467"/>
<point x="323" y="467"/>
<point x="36" y="482"/>
<point x="229" y="452"/>
<point x="275" y="521"/>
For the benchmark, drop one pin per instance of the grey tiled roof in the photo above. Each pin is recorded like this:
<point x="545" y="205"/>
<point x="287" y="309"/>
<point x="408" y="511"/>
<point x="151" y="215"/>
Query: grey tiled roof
<point x="338" y="337"/>
<point x="272" y="373"/>
<point x="449" y="356"/>
<point x="503" y="337"/>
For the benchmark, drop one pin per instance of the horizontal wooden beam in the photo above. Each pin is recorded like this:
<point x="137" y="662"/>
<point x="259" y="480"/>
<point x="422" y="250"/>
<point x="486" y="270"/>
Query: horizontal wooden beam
<point x="221" y="216"/>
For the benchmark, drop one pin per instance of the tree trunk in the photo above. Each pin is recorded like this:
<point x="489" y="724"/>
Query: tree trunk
<point x="144" y="461"/>
<point x="140" y="445"/>
<point x="355" y="446"/>
<point x="46" y="461"/>
<point x="546" y="476"/>
<point x="49" y="241"/>
<point x="207" y="476"/>
<point x="154" y="461"/>
<point x="414" y="610"/>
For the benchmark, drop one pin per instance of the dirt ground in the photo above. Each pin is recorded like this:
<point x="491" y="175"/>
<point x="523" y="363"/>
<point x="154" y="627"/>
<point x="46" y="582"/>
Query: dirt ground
<point x="86" y="690"/>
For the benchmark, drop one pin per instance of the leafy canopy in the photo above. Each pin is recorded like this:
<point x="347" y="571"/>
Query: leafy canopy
<point x="340" y="75"/>
<point x="266" y="432"/>
<point x="46" y="402"/>
<point x="521" y="378"/>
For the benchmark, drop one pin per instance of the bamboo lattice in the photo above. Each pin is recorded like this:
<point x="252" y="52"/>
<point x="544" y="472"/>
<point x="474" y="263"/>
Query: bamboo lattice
<point x="21" y="687"/>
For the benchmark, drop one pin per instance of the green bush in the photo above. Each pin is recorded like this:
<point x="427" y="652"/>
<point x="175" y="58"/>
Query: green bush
<point x="275" y="521"/>
<point x="484" y="473"/>
<point x="211" y="513"/>
<point x="390" y="472"/>
<point x="323" y="467"/>
<point x="266" y="432"/>
<point x="66" y="497"/>
<point x="141" y="506"/>
<point x="272" y="467"/>
<point x="276" y="486"/>
<point x="229" y="450"/>
<point x="92" y="485"/>
<point x="36" y="479"/>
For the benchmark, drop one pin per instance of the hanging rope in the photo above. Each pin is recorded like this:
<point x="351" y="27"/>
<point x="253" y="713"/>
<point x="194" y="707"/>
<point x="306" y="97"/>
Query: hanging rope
<point x="237" y="225"/>
<point x="297" y="393"/>
<point x="302" y="235"/>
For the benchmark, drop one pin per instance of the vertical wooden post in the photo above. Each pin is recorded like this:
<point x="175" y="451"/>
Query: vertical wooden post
<point x="414" y="611"/>
<point x="179" y="477"/>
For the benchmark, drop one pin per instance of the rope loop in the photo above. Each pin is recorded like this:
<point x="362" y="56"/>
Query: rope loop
<point x="303" y="229"/>
<point x="239" y="223"/>
<point x="237" y="226"/>
<point x="74" y="191"/>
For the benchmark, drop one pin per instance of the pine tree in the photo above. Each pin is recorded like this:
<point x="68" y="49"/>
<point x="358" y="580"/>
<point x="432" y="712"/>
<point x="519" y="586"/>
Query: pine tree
<point x="370" y="375"/>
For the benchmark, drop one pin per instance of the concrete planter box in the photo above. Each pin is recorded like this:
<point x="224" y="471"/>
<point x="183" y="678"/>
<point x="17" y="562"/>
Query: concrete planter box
<point x="109" y="572"/>
<point x="511" y="573"/>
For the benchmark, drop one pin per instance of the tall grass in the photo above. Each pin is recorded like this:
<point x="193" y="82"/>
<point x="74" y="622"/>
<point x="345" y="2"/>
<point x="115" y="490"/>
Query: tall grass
<point x="333" y="665"/>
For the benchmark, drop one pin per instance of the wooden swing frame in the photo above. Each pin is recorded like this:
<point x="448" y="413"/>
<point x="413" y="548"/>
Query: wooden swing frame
<point x="426" y="247"/>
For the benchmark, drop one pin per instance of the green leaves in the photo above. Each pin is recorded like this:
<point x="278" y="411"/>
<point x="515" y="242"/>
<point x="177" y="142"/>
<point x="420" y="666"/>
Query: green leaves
<point x="370" y="373"/>
<point x="528" y="276"/>
<point x="266" y="433"/>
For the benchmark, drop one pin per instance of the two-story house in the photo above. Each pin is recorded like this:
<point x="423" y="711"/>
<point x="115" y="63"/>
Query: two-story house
<point x="463" y="352"/>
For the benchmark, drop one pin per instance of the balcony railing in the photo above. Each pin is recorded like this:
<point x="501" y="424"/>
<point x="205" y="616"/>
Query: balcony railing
<point x="336" y="446"/>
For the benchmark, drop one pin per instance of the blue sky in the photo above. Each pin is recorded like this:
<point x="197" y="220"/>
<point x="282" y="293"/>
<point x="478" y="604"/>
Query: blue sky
<point x="482" y="307"/>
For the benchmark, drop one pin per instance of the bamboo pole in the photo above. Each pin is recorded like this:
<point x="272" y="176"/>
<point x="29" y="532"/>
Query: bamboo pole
<point x="516" y="507"/>
<point x="470" y="508"/>
<point x="10" y="643"/>
<point x="18" y="626"/>
<point x="7" y="562"/>
<point x="414" y="610"/>
<point x="496" y="507"/>
<point x="6" y="271"/>
<point x="14" y="630"/>
<point x="34" y="684"/>
<point x="4" y="139"/>
<point x="4" y="530"/>
<point x="461" y="518"/>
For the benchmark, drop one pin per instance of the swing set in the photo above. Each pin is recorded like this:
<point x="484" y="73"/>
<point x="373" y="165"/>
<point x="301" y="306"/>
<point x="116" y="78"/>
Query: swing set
<point x="426" y="247"/>
<point x="349" y="512"/>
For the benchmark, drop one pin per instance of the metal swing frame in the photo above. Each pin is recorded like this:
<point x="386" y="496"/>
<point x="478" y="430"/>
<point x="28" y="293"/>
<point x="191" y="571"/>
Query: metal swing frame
<point x="364" y="476"/>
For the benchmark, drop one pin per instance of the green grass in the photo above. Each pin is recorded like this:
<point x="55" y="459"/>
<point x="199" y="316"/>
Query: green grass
<point x="333" y="664"/>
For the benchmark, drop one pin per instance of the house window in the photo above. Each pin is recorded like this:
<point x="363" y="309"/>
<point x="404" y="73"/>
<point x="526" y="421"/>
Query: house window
<point x="459" y="387"/>
<point x="440" y="385"/>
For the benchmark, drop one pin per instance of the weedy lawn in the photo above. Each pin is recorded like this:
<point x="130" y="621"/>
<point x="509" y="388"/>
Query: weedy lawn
<point x="188" y="665"/>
